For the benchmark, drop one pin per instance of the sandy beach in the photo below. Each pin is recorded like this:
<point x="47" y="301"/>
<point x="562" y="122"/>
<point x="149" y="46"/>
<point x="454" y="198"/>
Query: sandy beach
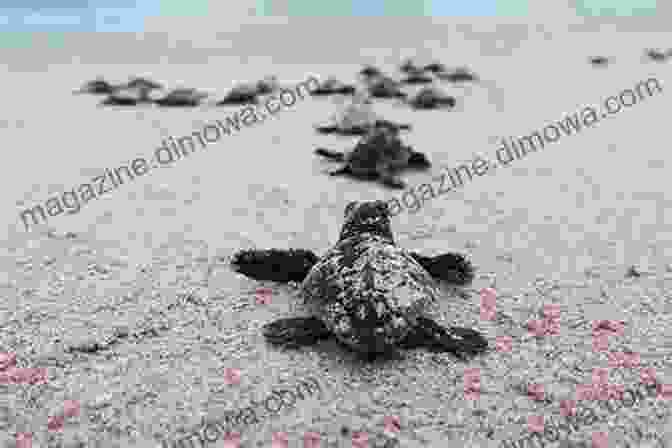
<point x="141" y="275"/>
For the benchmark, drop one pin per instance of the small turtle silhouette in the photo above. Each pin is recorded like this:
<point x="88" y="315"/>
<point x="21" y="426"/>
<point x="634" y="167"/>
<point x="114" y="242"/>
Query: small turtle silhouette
<point x="370" y="71"/>
<point x="370" y="294"/>
<point x="249" y="93"/>
<point x="460" y="74"/>
<point x="268" y="85"/>
<point x="379" y="155"/>
<point x="97" y="87"/>
<point x="385" y="87"/>
<point x="435" y="67"/>
<point x="136" y="91"/>
<point x="332" y="86"/>
<point x="599" y="60"/>
<point x="127" y="97"/>
<point x="143" y="84"/>
<point x="409" y="66"/>
<point x="417" y="77"/>
<point x="658" y="56"/>
<point x="432" y="98"/>
<point x="357" y="119"/>
<point x="181" y="98"/>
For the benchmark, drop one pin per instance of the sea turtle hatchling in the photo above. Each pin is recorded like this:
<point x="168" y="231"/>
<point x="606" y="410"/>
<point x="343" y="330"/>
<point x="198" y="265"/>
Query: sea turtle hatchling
<point x="384" y="87"/>
<point x="332" y="86"/>
<point x="370" y="294"/>
<point x="432" y="98"/>
<point x="379" y="154"/>
<point x="357" y="118"/>
<point x="183" y="97"/>
<point x="98" y="86"/>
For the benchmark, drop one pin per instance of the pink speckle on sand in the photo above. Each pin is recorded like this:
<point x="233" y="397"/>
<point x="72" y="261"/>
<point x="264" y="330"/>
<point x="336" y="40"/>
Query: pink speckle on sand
<point x="71" y="408"/>
<point x="232" y="376"/>
<point x="472" y="383"/>
<point x="585" y="392"/>
<point x="504" y="344"/>
<point x="665" y="391"/>
<point x="231" y="440"/>
<point x="600" y="342"/>
<point x="264" y="296"/>
<point x="600" y="376"/>
<point x="55" y="422"/>
<point x="488" y="301"/>
<point x="535" y="423"/>
<point x="536" y="327"/>
<point x="600" y="440"/>
<point x="311" y="440"/>
<point x="24" y="440"/>
<point x="279" y="440"/>
<point x="612" y="326"/>
<point x="551" y="311"/>
<point x="648" y="375"/>
<point x="567" y="408"/>
<point x="360" y="440"/>
<point x="392" y="424"/>
<point x="536" y="391"/>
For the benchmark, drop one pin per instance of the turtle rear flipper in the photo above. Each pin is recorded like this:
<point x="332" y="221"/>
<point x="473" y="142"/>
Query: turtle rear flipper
<point x="274" y="264"/>
<point x="389" y="177"/>
<point x="296" y="331"/>
<point x="462" y="342"/>
<point x="418" y="160"/>
<point x="451" y="267"/>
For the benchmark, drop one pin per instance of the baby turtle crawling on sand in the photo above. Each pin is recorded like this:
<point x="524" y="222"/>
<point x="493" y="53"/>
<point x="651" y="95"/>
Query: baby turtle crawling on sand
<point x="370" y="71"/>
<point x="460" y="74"/>
<point x="127" y="97"/>
<point x="250" y="93"/>
<point x="417" y="77"/>
<point x="658" y="56"/>
<point x="432" y="98"/>
<point x="378" y="155"/>
<point x="144" y="84"/>
<point x="599" y="60"/>
<point x="181" y="98"/>
<point x="333" y="86"/>
<point x="97" y="87"/>
<point x="357" y="119"/>
<point x="435" y="67"/>
<point x="385" y="87"/>
<point x="367" y="292"/>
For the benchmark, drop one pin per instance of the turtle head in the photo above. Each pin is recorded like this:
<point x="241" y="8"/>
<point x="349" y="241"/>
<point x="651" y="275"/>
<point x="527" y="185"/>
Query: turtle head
<point x="370" y="327"/>
<point x="367" y="217"/>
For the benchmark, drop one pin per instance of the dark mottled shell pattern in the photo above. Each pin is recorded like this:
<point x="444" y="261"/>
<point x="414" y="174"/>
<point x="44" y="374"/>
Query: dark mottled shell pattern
<point x="367" y="281"/>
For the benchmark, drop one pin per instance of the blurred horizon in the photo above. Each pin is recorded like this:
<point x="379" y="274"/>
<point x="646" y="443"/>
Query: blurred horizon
<point x="18" y="17"/>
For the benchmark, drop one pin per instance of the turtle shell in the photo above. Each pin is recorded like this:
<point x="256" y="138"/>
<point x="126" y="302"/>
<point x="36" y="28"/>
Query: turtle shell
<point x="379" y="145"/>
<point x="366" y="283"/>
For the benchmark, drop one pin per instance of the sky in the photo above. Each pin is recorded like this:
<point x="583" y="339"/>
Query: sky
<point x="129" y="15"/>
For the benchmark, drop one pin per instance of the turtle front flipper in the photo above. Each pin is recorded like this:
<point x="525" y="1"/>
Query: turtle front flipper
<point x="451" y="267"/>
<point x="329" y="154"/>
<point x="295" y="331"/>
<point x="345" y="170"/>
<point x="462" y="342"/>
<point x="274" y="264"/>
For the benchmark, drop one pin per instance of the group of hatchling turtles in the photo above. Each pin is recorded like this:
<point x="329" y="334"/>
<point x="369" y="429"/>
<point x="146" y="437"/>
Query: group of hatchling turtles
<point x="144" y="91"/>
<point x="652" y="54"/>
<point x="380" y="154"/>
